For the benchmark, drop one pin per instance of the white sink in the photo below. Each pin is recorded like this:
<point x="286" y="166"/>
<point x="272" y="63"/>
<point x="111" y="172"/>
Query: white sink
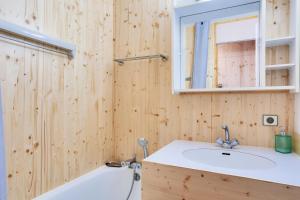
<point x="257" y="163"/>
<point x="233" y="159"/>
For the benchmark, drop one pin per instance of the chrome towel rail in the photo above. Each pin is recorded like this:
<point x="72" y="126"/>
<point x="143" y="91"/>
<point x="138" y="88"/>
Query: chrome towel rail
<point x="161" y="56"/>
<point x="34" y="36"/>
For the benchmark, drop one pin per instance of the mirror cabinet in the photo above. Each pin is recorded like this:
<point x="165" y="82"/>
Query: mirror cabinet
<point x="235" y="45"/>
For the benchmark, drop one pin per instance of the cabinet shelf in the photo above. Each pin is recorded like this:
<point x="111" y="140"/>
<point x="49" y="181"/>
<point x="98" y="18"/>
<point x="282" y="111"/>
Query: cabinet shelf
<point x="280" y="66"/>
<point x="280" y="41"/>
<point x="243" y="89"/>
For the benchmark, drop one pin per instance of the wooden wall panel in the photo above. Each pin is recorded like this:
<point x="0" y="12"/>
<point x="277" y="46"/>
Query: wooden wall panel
<point x="165" y="182"/>
<point x="57" y="112"/>
<point x="236" y="64"/>
<point x="278" y="14"/>
<point x="189" y="48"/>
<point x="145" y="107"/>
<point x="277" y="17"/>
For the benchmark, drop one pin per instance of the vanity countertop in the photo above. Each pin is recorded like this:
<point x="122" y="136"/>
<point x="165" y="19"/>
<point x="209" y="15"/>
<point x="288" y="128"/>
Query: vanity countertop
<point x="286" y="171"/>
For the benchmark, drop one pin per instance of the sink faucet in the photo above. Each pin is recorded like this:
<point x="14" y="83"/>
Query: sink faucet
<point x="228" y="144"/>
<point x="227" y="134"/>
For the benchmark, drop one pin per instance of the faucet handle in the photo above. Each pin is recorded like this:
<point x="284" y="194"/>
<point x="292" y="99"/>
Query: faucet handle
<point x="234" y="142"/>
<point x="220" y="141"/>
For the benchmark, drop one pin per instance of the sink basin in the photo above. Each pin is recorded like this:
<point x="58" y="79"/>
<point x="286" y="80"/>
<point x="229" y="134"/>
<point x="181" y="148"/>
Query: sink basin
<point x="233" y="159"/>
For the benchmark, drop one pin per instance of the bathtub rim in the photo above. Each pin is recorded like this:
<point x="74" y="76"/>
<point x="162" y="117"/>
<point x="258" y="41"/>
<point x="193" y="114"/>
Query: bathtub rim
<point x="77" y="181"/>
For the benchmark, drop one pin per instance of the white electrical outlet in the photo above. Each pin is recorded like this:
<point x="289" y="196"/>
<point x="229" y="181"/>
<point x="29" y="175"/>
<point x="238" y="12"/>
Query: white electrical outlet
<point x="270" y="120"/>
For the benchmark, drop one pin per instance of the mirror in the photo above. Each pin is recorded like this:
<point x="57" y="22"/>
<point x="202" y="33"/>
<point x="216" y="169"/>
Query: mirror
<point x="220" y="48"/>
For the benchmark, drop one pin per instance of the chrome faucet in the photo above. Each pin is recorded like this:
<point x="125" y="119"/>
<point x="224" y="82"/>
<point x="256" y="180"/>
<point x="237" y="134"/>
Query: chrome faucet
<point x="228" y="144"/>
<point x="132" y="163"/>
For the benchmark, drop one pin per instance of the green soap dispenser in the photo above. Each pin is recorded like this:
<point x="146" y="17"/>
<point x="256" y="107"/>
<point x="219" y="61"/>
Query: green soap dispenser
<point x="283" y="142"/>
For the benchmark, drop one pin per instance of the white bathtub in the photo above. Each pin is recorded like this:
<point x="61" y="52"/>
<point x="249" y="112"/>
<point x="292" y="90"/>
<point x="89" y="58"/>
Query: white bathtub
<point x="101" y="184"/>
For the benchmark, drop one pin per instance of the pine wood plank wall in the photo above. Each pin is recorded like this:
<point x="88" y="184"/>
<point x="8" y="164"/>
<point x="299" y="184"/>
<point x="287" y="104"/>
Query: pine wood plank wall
<point x="57" y="112"/>
<point x="145" y="107"/>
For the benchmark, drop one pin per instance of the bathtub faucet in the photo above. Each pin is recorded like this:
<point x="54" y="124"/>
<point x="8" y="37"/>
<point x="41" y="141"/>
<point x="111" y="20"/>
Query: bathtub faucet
<point x="228" y="144"/>
<point x="131" y="163"/>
